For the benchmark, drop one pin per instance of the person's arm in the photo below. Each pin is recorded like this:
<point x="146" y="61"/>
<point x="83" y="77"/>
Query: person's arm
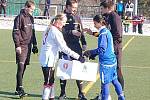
<point x="34" y="42"/>
<point x="16" y="31"/>
<point x="102" y="46"/>
<point x="89" y="31"/>
<point x="63" y="47"/>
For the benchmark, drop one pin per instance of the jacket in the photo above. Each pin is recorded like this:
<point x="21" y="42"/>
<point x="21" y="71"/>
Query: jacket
<point x="105" y="48"/>
<point x="23" y="29"/>
<point x="52" y="43"/>
<point x="115" y="25"/>
<point x="72" y="40"/>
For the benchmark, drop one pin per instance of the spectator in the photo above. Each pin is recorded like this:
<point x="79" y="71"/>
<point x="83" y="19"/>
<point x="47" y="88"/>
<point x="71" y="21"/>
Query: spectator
<point x="126" y="24"/>
<point x="47" y="7"/>
<point x="129" y="8"/>
<point x="138" y="21"/>
<point x="3" y="4"/>
<point x="140" y="30"/>
<point x="24" y="36"/>
<point x="72" y="33"/>
<point x="120" y="8"/>
<point x="135" y="23"/>
<point x="53" y="41"/>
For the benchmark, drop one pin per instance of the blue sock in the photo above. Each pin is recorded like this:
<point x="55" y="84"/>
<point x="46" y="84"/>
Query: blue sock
<point x="105" y="91"/>
<point x="121" y="97"/>
<point x="118" y="89"/>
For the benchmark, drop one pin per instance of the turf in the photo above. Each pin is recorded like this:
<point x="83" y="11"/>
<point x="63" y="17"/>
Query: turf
<point x="135" y="66"/>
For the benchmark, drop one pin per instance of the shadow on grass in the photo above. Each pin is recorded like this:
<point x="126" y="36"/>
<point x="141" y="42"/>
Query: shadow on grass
<point x="56" y="98"/>
<point x="11" y="95"/>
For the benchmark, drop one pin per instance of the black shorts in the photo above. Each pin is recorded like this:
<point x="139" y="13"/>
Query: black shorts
<point x="25" y="55"/>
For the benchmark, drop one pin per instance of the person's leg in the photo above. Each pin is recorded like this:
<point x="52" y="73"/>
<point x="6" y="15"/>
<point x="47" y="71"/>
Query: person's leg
<point x="20" y="61"/>
<point x="118" y="53"/>
<point x="0" y="9"/>
<point x="20" y="68"/>
<point x="51" y="83"/>
<point x="62" y="87"/>
<point x="118" y="89"/>
<point x="120" y="77"/>
<point x="125" y="28"/>
<point x="80" y="86"/>
<point x="134" y="28"/>
<point x="46" y="11"/>
<point x="48" y="87"/>
<point x="4" y="9"/>
<point x="24" y="70"/>
<point x="105" y="92"/>
<point x="140" y="28"/>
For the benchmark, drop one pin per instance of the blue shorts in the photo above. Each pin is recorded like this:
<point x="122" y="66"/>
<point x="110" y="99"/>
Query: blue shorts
<point x="108" y="73"/>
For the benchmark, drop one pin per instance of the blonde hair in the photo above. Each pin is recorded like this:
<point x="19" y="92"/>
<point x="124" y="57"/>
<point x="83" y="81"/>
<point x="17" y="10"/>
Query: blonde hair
<point x="58" y="17"/>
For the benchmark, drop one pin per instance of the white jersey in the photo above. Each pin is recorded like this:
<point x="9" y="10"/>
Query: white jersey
<point x="129" y="7"/>
<point x="52" y="43"/>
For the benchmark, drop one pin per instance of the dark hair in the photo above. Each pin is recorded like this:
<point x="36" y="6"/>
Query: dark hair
<point x="99" y="19"/>
<point x="70" y="2"/>
<point x="29" y="3"/>
<point x="108" y="4"/>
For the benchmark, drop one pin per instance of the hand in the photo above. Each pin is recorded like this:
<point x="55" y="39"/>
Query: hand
<point x="76" y="33"/>
<point x="84" y="47"/>
<point x="35" y="49"/>
<point x="92" y="57"/>
<point x="87" y="53"/>
<point x="18" y="50"/>
<point x="88" y="31"/>
<point x="81" y="59"/>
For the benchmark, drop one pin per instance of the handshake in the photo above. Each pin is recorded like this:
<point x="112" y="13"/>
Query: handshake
<point x="87" y="54"/>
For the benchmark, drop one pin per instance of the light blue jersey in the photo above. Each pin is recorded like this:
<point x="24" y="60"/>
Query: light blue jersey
<point x="105" y="48"/>
<point x="120" y="7"/>
<point x="107" y="57"/>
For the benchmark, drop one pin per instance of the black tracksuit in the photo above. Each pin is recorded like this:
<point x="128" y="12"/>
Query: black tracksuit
<point x="23" y="36"/>
<point x="73" y="42"/>
<point x="115" y="25"/>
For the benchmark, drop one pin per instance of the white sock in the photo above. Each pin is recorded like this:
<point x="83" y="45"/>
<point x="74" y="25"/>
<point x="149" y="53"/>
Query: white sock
<point x="46" y="92"/>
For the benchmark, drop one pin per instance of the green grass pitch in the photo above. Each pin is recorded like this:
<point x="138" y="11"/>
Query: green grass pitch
<point x="135" y="66"/>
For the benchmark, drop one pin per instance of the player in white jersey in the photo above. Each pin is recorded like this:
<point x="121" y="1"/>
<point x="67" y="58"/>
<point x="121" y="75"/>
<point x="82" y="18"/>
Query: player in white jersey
<point x="52" y="43"/>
